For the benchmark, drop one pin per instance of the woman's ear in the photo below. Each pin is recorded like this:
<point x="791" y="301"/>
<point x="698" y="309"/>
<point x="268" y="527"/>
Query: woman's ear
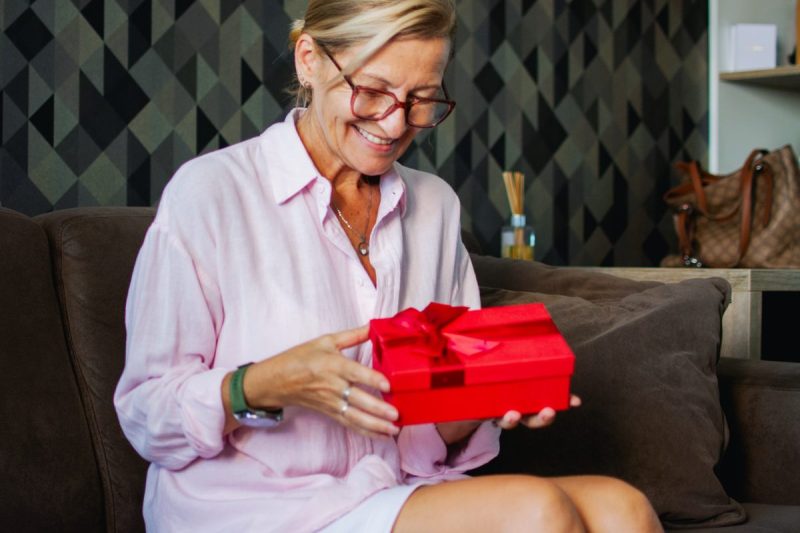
<point x="306" y="60"/>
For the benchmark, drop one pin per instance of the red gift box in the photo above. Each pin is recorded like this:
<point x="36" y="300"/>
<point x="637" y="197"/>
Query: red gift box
<point x="449" y="363"/>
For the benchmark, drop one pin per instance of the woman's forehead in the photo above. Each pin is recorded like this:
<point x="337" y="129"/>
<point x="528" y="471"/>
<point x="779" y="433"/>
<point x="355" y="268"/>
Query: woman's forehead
<point x="422" y="61"/>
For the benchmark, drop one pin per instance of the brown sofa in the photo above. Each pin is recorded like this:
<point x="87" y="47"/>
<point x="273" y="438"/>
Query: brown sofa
<point x="67" y="467"/>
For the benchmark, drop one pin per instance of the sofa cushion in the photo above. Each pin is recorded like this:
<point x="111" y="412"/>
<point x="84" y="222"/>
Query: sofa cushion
<point x="49" y="481"/>
<point x="646" y="357"/>
<point x="761" y="518"/>
<point x="94" y="250"/>
<point x="762" y="463"/>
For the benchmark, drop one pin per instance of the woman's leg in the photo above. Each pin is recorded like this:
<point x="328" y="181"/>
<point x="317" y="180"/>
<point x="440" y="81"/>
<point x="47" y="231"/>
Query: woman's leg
<point x="518" y="503"/>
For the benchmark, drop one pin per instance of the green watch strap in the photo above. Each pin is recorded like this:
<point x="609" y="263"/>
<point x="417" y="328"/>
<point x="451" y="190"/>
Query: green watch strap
<point x="245" y="414"/>
<point x="238" y="403"/>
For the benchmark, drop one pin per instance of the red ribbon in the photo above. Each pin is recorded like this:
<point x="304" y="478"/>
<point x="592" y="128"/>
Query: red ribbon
<point x="423" y="332"/>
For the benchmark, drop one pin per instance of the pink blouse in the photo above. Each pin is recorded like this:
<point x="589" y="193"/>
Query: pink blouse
<point x="245" y="259"/>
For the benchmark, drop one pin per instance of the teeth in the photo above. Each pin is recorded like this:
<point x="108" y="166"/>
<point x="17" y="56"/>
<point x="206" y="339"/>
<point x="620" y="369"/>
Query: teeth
<point x="372" y="138"/>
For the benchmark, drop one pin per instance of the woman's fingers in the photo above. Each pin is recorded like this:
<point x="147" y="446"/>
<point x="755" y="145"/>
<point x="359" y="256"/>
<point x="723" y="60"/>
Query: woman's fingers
<point x="358" y="408"/>
<point x="543" y="418"/>
<point x="354" y="372"/>
<point x="372" y="405"/>
<point x="350" y="337"/>
<point x="368" y="415"/>
<point x="363" y="411"/>
<point x="509" y="420"/>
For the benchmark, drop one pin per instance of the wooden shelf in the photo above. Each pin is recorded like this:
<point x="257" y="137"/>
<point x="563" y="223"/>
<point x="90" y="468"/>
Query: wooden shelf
<point x="750" y="108"/>
<point x="785" y="77"/>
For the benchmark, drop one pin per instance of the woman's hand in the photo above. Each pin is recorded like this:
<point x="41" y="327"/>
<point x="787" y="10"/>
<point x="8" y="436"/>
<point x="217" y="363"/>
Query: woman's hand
<point x="453" y="432"/>
<point x="543" y="418"/>
<point x="316" y="375"/>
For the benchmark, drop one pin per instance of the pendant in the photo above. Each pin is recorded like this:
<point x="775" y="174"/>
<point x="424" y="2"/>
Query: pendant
<point x="363" y="248"/>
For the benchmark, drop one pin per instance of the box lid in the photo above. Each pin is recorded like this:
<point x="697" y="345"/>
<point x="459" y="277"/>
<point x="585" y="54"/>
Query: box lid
<point x="509" y="343"/>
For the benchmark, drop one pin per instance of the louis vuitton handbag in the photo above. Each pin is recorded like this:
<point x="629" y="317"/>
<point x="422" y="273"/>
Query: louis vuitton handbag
<point x="748" y="219"/>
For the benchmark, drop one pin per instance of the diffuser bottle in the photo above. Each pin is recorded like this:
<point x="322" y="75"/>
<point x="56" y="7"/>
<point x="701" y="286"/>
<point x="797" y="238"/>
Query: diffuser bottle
<point x="517" y="240"/>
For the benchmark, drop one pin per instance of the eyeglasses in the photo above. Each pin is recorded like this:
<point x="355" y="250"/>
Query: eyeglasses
<point x="367" y="103"/>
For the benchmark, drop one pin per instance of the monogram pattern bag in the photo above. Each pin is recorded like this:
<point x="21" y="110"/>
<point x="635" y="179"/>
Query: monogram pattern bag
<point x="748" y="219"/>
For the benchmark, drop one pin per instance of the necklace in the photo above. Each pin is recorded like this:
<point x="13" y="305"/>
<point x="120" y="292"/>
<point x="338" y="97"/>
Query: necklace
<point x="363" y="246"/>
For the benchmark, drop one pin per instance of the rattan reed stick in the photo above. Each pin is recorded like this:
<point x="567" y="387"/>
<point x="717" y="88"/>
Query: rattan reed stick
<point x="515" y="190"/>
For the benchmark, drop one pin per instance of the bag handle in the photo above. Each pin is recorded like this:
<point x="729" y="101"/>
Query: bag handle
<point x="696" y="176"/>
<point x="698" y="180"/>
<point x="684" y="227"/>
<point x="753" y="167"/>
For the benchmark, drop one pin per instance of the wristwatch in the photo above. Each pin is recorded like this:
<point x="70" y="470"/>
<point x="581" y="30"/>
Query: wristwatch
<point x="243" y="413"/>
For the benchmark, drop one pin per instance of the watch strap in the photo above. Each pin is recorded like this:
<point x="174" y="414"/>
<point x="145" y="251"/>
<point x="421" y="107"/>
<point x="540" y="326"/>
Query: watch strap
<point x="243" y="412"/>
<point x="238" y="402"/>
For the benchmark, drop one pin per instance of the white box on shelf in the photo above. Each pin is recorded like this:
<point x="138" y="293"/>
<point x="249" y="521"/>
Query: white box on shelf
<point x="754" y="46"/>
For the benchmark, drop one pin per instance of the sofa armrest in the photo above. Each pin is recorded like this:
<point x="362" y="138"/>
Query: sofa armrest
<point x="761" y="400"/>
<point x="93" y="251"/>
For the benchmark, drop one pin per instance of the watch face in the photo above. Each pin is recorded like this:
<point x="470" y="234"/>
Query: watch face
<point x="259" y="419"/>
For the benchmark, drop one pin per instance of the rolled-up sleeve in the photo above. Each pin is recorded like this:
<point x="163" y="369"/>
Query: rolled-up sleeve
<point x="168" y="399"/>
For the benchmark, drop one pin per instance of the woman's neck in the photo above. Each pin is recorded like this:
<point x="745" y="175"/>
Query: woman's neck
<point x="330" y="167"/>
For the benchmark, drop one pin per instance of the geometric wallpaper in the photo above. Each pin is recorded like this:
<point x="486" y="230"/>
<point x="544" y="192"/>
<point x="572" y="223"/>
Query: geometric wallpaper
<point x="593" y="100"/>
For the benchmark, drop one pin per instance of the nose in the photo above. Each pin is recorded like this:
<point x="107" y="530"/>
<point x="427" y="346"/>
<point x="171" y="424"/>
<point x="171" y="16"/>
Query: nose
<point x="395" y="123"/>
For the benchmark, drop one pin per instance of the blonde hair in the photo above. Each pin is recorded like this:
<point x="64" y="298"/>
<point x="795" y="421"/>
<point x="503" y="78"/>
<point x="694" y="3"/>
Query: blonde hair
<point x="337" y="25"/>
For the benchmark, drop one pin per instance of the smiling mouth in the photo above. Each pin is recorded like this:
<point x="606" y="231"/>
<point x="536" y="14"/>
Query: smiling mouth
<point x="372" y="138"/>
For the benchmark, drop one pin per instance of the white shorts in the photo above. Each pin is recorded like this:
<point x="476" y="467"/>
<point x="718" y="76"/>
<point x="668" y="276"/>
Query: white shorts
<point x="376" y="514"/>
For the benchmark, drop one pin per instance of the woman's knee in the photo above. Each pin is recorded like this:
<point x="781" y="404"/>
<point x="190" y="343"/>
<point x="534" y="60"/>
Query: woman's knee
<point x="537" y="504"/>
<point x="629" y="509"/>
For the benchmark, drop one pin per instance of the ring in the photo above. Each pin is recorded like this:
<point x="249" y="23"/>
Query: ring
<point x="346" y="393"/>
<point x="345" y="406"/>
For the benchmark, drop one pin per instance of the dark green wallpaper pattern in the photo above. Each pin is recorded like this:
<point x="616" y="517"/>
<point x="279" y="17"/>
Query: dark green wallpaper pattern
<point x="101" y="100"/>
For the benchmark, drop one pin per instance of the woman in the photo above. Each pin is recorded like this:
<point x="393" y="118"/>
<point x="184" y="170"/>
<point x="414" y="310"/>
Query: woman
<point x="247" y="383"/>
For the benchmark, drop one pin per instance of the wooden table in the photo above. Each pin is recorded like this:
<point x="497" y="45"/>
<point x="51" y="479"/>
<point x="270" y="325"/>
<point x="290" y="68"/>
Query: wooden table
<point x="741" y="323"/>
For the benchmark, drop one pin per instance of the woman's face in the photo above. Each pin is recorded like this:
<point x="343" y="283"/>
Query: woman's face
<point x="340" y="142"/>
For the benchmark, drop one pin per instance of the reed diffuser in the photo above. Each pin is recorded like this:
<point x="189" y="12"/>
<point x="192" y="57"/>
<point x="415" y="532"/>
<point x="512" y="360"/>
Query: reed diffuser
<point x="517" y="240"/>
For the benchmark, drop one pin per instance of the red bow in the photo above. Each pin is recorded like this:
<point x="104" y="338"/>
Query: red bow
<point x="424" y="332"/>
